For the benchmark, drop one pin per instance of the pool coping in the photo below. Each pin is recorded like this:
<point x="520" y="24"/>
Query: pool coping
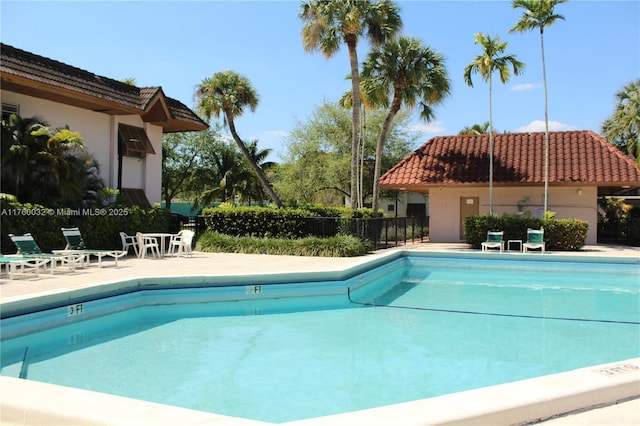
<point x="521" y="402"/>
<point x="516" y="403"/>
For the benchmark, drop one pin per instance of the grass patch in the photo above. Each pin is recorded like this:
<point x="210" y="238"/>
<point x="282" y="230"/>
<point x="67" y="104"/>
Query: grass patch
<point x="338" y="246"/>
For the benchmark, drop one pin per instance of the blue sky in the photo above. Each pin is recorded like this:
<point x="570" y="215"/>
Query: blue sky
<point x="176" y="44"/>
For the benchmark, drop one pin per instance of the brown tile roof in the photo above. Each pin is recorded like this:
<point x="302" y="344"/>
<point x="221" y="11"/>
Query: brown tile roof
<point x="35" y="75"/>
<point x="576" y="157"/>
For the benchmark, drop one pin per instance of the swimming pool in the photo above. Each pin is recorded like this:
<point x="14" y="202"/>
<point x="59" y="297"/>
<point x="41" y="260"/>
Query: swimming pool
<point x="322" y="325"/>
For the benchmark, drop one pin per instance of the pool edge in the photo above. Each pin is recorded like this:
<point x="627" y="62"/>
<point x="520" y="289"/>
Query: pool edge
<point x="517" y="403"/>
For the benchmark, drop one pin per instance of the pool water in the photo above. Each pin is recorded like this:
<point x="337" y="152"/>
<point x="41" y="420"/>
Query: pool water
<point x="413" y="329"/>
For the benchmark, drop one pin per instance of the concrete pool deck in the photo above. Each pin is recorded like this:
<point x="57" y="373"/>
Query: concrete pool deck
<point x="624" y="410"/>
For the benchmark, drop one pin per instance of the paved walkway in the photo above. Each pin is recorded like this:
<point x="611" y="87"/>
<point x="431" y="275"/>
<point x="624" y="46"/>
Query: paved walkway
<point x="25" y="286"/>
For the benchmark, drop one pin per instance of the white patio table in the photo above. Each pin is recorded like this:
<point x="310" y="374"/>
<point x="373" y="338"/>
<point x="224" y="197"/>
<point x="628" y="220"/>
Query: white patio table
<point x="162" y="236"/>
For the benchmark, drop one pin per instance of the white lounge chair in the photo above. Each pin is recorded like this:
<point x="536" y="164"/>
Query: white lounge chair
<point x="181" y="242"/>
<point x="494" y="240"/>
<point x="14" y="263"/>
<point x="76" y="244"/>
<point x="535" y="240"/>
<point x="28" y="248"/>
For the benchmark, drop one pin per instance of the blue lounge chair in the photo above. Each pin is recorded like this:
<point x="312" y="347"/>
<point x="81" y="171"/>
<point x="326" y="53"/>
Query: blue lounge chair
<point x="535" y="240"/>
<point x="495" y="239"/>
<point x="76" y="245"/>
<point x="28" y="248"/>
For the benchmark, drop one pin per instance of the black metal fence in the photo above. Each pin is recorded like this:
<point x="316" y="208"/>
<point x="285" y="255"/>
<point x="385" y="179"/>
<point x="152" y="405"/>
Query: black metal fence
<point x="624" y="230"/>
<point x="382" y="232"/>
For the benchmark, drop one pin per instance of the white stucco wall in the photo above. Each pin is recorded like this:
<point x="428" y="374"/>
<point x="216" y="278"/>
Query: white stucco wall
<point x="100" y="134"/>
<point x="576" y="202"/>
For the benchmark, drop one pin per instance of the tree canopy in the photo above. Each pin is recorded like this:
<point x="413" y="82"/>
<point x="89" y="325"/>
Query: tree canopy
<point x="622" y="128"/>
<point x="316" y="166"/>
<point x="328" y="24"/>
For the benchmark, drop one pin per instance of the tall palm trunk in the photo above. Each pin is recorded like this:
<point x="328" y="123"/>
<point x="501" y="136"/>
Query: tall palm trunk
<point x="393" y="110"/>
<point x="252" y="162"/>
<point x="355" y="119"/>
<point x="490" y="148"/>
<point x="546" y="128"/>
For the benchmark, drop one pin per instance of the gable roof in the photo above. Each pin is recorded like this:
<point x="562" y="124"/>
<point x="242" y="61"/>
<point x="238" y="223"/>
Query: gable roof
<point x="576" y="157"/>
<point x="34" y="75"/>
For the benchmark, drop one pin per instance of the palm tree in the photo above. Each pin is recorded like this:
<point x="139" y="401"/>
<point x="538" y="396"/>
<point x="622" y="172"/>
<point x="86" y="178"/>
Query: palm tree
<point x="485" y="64"/>
<point x="47" y="166"/>
<point x="539" y="14"/>
<point x="227" y="172"/>
<point x="228" y="93"/>
<point x="476" y="129"/>
<point x="329" y="23"/>
<point x="408" y="73"/>
<point x="250" y="189"/>
<point x="623" y="127"/>
<point x="18" y="148"/>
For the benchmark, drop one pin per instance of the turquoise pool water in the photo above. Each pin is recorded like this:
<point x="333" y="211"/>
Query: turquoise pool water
<point x="415" y="328"/>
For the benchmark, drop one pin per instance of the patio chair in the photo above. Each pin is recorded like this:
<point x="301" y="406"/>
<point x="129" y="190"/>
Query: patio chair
<point x="494" y="240"/>
<point x="181" y="242"/>
<point x="129" y="241"/>
<point x="76" y="245"/>
<point x="28" y="248"/>
<point x="535" y="240"/>
<point x="147" y="243"/>
<point x="13" y="263"/>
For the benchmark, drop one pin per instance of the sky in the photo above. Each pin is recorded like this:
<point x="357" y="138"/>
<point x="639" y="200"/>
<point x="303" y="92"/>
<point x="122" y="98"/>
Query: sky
<point x="590" y="56"/>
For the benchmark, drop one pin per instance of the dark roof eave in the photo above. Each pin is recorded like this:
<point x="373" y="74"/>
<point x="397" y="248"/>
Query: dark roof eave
<point x="33" y="75"/>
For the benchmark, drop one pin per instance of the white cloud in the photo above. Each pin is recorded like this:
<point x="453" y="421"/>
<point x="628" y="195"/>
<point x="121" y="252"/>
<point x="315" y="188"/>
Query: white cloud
<point x="431" y="128"/>
<point x="275" y="133"/>
<point x="538" y="126"/>
<point x="525" y="86"/>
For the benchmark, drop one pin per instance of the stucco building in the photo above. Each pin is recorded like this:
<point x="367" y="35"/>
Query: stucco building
<point x="122" y="125"/>
<point x="454" y="172"/>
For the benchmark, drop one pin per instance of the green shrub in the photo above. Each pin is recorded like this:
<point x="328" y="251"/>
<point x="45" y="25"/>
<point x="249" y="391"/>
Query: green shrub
<point x="100" y="227"/>
<point x="279" y="223"/>
<point x="338" y="246"/>
<point x="559" y="234"/>
<point x="42" y="222"/>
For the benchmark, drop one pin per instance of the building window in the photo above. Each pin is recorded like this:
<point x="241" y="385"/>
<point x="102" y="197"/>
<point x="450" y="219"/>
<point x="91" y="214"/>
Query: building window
<point x="134" y="141"/>
<point x="8" y="109"/>
<point x="391" y="207"/>
<point x="416" y="210"/>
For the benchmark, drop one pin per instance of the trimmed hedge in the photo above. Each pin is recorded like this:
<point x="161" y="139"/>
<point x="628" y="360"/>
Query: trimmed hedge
<point x="100" y="227"/>
<point x="559" y="234"/>
<point x="338" y="246"/>
<point x="270" y="222"/>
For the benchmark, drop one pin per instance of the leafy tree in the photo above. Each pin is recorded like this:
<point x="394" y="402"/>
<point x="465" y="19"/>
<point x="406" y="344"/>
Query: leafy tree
<point x="316" y="166"/>
<point x="538" y="14"/>
<point x="485" y="64"/>
<point x="48" y="166"/>
<point x="622" y="128"/>
<point x="476" y="129"/>
<point x="328" y="24"/>
<point x="182" y="160"/>
<point x="402" y="73"/>
<point x="228" y="93"/>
